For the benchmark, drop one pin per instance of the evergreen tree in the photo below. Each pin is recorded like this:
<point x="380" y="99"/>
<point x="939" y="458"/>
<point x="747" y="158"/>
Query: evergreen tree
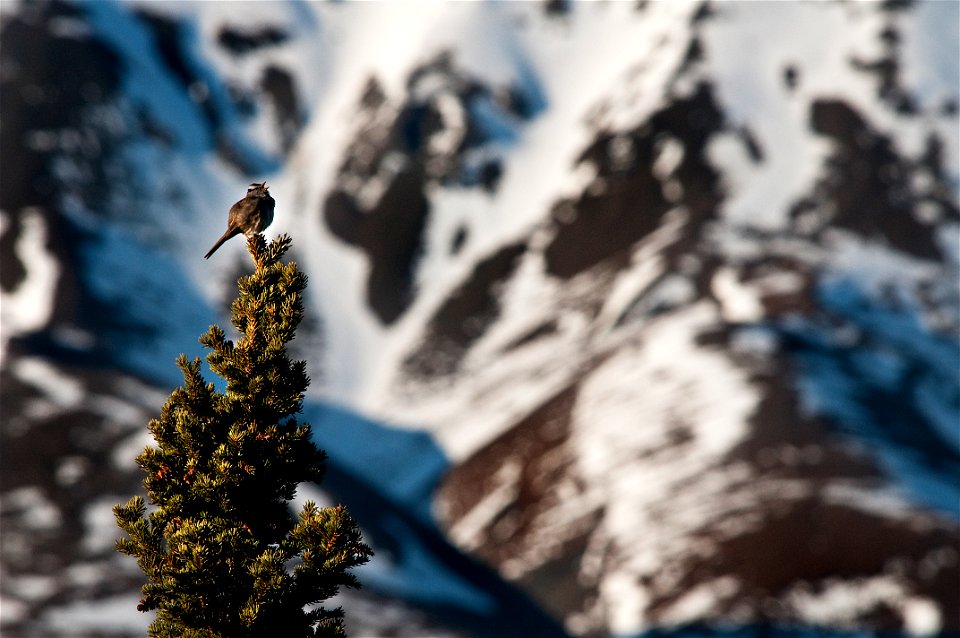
<point x="223" y="555"/>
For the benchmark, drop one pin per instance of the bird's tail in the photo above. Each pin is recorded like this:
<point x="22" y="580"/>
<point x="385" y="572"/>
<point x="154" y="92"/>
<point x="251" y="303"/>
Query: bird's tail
<point x="227" y="235"/>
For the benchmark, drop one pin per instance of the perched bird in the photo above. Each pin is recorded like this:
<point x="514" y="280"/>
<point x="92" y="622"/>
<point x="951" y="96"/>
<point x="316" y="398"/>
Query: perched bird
<point x="249" y="216"/>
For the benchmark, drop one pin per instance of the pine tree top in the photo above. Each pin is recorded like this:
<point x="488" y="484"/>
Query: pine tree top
<point x="222" y="553"/>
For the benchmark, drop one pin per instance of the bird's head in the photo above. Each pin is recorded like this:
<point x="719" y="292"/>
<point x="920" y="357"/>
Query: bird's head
<point x="258" y="190"/>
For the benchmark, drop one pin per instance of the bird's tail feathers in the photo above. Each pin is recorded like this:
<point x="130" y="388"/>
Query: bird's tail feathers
<point x="227" y="235"/>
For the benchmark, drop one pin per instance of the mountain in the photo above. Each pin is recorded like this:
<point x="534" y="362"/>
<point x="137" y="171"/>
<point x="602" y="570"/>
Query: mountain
<point x="624" y="318"/>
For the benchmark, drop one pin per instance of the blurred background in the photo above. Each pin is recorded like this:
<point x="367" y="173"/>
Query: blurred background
<point x="624" y="318"/>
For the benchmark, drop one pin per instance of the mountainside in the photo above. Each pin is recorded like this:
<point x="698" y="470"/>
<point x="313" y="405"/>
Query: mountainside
<point x="622" y="318"/>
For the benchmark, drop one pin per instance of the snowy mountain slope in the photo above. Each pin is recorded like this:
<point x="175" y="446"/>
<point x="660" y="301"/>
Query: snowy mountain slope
<point x="672" y="285"/>
<point x="741" y="274"/>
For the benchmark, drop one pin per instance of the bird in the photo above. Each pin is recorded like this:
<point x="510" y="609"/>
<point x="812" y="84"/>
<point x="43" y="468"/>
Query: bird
<point x="249" y="216"/>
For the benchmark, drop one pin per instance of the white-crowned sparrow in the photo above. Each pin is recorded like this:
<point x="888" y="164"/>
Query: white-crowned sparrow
<point x="249" y="216"/>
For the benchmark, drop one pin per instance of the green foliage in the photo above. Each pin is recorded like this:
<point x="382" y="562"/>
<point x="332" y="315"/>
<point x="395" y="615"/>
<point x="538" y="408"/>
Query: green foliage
<point x="222" y="553"/>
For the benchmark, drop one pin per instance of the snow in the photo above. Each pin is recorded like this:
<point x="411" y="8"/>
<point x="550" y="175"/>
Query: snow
<point x="626" y="410"/>
<point x="669" y="155"/>
<point x="752" y="93"/>
<point x="403" y="464"/>
<point x="930" y="57"/>
<point x="875" y="267"/>
<point x="146" y="80"/>
<point x="645" y="381"/>
<point x="882" y="502"/>
<point x="647" y="268"/>
<point x="126" y="273"/>
<point x="872" y="290"/>
<point x="738" y="302"/>
<point x="124" y="455"/>
<point x="539" y="169"/>
<point x="921" y="617"/>
<point x="100" y="530"/>
<point x="700" y="601"/>
<point x="502" y="44"/>
<point x="416" y="574"/>
<point x="33" y="508"/>
<point x="71" y="469"/>
<point x="87" y="617"/>
<point x="942" y="415"/>
<point x="460" y="433"/>
<point x="85" y="574"/>
<point x="13" y="610"/>
<point x="931" y="65"/>
<point x="29" y="306"/>
<point x="466" y="532"/>
<point x="63" y="391"/>
<point x="839" y="603"/>
<point x="543" y="368"/>
<point x="896" y="341"/>
<point x="34" y="587"/>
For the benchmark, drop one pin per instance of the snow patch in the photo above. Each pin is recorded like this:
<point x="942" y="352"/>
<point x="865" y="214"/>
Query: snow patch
<point x="841" y="603"/>
<point x="679" y="408"/>
<point x="32" y="507"/>
<point x="739" y="303"/>
<point x="700" y="601"/>
<point x="89" y="617"/>
<point x="884" y="503"/>
<point x="100" y="530"/>
<point x="467" y="530"/>
<point x="30" y="305"/>
<point x="63" y="391"/>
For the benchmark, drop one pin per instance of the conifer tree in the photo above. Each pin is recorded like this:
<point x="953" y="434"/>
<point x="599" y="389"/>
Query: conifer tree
<point x="223" y="555"/>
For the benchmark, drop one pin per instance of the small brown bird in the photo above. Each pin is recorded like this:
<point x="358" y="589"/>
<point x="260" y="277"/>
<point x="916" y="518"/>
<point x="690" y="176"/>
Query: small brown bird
<point x="249" y="216"/>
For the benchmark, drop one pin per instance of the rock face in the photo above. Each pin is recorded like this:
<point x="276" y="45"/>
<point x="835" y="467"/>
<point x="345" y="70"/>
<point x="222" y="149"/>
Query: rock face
<point x="673" y="286"/>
